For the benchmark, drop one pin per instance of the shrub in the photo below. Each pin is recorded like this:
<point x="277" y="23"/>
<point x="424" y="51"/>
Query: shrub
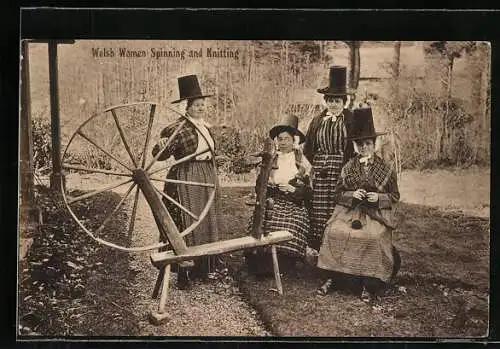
<point x="42" y="146"/>
<point x="230" y="152"/>
<point x="90" y="157"/>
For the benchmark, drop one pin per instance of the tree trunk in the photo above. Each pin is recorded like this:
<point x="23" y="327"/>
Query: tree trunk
<point x="395" y="70"/>
<point x="445" y="134"/>
<point x="396" y="60"/>
<point x="217" y="116"/>
<point x="485" y="102"/>
<point x="354" y="70"/>
<point x="354" y="63"/>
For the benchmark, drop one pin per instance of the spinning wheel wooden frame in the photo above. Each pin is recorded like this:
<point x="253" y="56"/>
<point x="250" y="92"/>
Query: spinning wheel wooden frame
<point x="140" y="177"/>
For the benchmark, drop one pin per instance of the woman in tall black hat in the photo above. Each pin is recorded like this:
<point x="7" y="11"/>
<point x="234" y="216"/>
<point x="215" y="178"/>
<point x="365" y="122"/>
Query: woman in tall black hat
<point x="199" y="169"/>
<point x="327" y="149"/>
<point x="358" y="236"/>
<point x="289" y="187"/>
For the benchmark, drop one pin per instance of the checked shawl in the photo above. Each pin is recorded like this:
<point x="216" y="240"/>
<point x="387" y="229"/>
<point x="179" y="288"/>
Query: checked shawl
<point x="378" y="177"/>
<point x="183" y="144"/>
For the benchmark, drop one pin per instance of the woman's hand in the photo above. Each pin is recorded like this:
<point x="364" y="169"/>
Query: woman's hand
<point x="287" y="188"/>
<point x="162" y="143"/>
<point x="372" y="197"/>
<point x="359" y="194"/>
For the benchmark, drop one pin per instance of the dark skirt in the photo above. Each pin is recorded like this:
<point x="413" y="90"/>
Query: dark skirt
<point x="326" y="169"/>
<point x="195" y="198"/>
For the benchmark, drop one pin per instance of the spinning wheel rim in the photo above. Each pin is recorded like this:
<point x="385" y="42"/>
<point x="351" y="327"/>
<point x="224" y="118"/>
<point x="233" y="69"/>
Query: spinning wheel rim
<point x="145" y="167"/>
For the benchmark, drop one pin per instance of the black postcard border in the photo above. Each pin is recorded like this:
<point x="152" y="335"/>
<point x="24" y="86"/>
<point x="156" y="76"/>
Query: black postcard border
<point x="219" y="24"/>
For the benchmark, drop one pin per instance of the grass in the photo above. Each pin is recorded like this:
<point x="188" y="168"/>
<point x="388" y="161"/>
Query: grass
<point x="441" y="290"/>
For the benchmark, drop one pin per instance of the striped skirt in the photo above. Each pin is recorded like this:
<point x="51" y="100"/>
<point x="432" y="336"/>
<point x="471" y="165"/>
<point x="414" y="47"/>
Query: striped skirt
<point x="326" y="169"/>
<point x="195" y="198"/>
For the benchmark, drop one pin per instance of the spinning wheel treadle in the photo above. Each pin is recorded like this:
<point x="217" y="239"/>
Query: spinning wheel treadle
<point x="139" y="174"/>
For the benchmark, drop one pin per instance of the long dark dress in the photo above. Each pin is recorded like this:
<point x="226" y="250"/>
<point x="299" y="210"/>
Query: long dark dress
<point x="327" y="150"/>
<point x="194" y="198"/>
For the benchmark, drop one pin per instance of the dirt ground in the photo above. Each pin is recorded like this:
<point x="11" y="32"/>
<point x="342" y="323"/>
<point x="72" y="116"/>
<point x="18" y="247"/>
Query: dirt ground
<point x="465" y="190"/>
<point x="441" y="290"/>
<point x="71" y="285"/>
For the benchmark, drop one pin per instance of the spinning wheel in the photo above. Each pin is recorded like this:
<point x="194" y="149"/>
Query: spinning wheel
<point x="137" y="172"/>
<point x="123" y="139"/>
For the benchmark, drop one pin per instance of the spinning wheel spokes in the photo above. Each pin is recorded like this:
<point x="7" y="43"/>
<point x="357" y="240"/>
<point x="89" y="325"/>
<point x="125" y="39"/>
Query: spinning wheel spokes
<point x="80" y="132"/>
<point x="177" y="181"/>
<point x="148" y="135"/>
<point x="134" y="213"/>
<point x="115" y="210"/>
<point x="95" y="170"/>
<point x="169" y="140"/>
<point x="98" y="191"/>
<point x="181" y="160"/>
<point x="134" y="131"/>
<point x="122" y="136"/>
<point x="172" y="200"/>
<point x="113" y="141"/>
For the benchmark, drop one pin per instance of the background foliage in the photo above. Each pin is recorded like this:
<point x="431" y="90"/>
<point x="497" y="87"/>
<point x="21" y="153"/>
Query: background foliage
<point x="437" y="106"/>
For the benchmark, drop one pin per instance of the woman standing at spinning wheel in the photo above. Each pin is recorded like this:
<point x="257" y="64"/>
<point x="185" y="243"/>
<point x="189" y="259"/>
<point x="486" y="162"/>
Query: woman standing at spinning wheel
<point x="327" y="150"/>
<point x="199" y="169"/>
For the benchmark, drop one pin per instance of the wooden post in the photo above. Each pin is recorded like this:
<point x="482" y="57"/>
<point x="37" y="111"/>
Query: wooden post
<point x="268" y="155"/>
<point x="159" y="316"/>
<point x="57" y="179"/>
<point x="276" y="269"/>
<point x="28" y="211"/>
<point x="164" y="290"/>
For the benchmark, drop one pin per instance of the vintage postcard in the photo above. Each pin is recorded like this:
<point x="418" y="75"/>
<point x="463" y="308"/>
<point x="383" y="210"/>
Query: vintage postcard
<point x="254" y="188"/>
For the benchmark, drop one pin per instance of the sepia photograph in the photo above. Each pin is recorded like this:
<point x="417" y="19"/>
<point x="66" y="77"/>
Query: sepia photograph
<point x="254" y="188"/>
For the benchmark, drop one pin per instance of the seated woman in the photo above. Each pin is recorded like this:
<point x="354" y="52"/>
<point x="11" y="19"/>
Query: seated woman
<point x="289" y="187"/>
<point x="357" y="243"/>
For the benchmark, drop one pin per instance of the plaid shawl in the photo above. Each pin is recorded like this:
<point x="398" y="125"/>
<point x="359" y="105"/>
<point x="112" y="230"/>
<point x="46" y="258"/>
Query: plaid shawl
<point x="380" y="178"/>
<point x="353" y="176"/>
<point x="183" y="144"/>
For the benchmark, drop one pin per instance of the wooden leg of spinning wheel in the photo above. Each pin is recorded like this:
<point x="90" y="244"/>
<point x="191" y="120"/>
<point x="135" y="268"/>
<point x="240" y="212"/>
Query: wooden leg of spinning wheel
<point x="276" y="268"/>
<point x="164" y="289"/>
<point x="160" y="315"/>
